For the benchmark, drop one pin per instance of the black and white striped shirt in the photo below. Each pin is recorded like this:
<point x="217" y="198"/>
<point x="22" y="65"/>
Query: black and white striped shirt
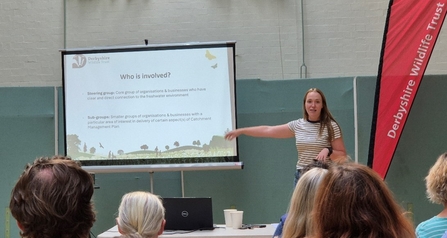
<point x="308" y="143"/>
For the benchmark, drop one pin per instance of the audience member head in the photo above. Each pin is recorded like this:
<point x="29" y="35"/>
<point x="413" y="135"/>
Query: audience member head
<point x="298" y="223"/>
<point x="436" y="181"/>
<point x="353" y="201"/>
<point x="52" y="198"/>
<point x="141" y="214"/>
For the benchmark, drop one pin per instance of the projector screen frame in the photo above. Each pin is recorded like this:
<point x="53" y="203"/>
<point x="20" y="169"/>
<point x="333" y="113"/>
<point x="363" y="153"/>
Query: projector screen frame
<point x="145" y="167"/>
<point x="164" y="167"/>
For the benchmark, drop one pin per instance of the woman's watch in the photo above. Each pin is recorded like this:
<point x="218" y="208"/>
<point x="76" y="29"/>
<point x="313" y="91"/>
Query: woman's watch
<point x="330" y="151"/>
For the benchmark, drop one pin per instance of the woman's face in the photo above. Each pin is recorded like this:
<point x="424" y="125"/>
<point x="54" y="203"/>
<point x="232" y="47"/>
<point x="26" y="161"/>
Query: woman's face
<point x="314" y="104"/>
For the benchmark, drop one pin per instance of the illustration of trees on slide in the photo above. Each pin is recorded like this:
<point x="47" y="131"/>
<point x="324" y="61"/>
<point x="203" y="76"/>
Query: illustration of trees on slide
<point x="73" y="147"/>
<point x="73" y="143"/>
<point x="217" y="146"/>
<point x="144" y="147"/>
<point x="196" y="142"/>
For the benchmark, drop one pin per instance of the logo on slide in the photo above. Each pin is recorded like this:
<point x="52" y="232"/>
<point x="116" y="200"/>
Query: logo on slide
<point x="80" y="61"/>
<point x="185" y="214"/>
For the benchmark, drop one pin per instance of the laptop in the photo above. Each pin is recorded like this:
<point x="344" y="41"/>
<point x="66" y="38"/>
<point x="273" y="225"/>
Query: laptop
<point x="188" y="213"/>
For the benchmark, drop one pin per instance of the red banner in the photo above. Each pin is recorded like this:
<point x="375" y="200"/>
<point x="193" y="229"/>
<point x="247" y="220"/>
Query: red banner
<point x="411" y="30"/>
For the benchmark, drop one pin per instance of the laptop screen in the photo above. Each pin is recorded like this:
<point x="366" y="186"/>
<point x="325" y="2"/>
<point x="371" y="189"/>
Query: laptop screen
<point x="189" y="213"/>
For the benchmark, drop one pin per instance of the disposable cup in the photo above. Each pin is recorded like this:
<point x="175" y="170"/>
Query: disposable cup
<point x="236" y="219"/>
<point x="228" y="217"/>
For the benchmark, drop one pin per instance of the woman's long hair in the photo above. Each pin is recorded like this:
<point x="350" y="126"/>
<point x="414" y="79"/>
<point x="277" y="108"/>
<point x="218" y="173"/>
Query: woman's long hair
<point x="298" y="222"/>
<point x="353" y="201"/>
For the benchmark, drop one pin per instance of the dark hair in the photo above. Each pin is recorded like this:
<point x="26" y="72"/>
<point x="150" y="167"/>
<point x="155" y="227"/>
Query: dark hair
<point x="315" y="164"/>
<point x="326" y="117"/>
<point x="52" y="198"/>
<point x="353" y="201"/>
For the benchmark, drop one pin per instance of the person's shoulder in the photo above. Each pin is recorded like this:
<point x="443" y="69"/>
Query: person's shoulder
<point x="426" y="223"/>
<point x="333" y="122"/>
<point x="297" y="121"/>
<point x="422" y="223"/>
<point x="431" y="226"/>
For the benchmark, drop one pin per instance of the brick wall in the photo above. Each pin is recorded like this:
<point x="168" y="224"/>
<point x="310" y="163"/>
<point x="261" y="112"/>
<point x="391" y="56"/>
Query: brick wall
<point x="341" y="37"/>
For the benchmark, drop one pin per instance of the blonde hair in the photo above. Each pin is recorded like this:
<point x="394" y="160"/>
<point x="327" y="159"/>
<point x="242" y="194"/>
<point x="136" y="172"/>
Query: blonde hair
<point x="436" y="181"/>
<point x="140" y="214"/>
<point x="298" y="222"/>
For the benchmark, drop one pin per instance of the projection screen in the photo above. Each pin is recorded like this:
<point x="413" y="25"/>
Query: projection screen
<point x="151" y="107"/>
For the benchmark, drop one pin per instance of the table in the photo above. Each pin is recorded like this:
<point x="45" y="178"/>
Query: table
<point x="219" y="232"/>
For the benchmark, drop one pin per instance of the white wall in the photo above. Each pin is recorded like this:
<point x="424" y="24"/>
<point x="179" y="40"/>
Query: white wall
<point x="341" y="37"/>
<point x="31" y="34"/>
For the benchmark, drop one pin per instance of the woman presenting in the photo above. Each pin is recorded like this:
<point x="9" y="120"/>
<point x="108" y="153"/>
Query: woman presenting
<point x="318" y="136"/>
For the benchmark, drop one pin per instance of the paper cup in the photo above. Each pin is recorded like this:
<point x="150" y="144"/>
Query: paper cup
<point x="228" y="217"/>
<point x="236" y="219"/>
